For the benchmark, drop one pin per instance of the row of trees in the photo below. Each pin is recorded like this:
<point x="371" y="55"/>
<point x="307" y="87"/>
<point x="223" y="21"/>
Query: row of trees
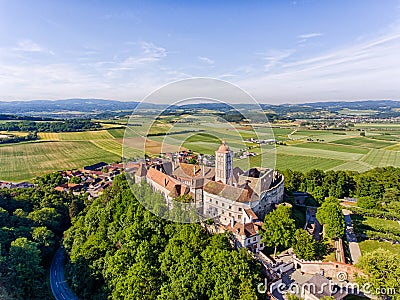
<point x="31" y="224"/>
<point x="17" y="139"/>
<point x="70" y="125"/>
<point x="373" y="187"/>
<point x="120" y="250"/>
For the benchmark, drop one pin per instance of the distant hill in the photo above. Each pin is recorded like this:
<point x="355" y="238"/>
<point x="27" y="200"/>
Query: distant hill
<point x="365" y="104"/>
<point x="99" y="106"/>
<point x="81" y="105"/>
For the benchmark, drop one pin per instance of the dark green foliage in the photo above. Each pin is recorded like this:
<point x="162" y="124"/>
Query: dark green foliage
<point x="70" y="125"/>
<point x="367" y="202"/>
<point x="382" y="272"/>
<point x="77" y="179"/>
<point x="24" y="271"/>
<point x="321" y="184"/>
<point x="31" y="223"/>
<point x="120" y="250"/>
<point x="279" y="228"/>
<point x="330" y="215"/>
<point x="305" y="246"/>
<point x="377" y="190"/>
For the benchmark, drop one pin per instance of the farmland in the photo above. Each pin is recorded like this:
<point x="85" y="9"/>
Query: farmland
<point x="24" y="161"/>
<point x="302" y="149"/>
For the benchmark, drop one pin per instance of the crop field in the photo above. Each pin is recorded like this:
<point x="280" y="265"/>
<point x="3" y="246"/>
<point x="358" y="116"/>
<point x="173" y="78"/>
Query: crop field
<point x="363" y="142"/>
<point x="381" y="158"/>
<point x="332" y="147"/>
<point x="76" y="136"/>
<point x="303" y="150"/>
<point x="295" y="162"/>
<point x="24" y="161"/>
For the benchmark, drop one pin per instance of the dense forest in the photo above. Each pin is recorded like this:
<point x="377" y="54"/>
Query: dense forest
<point x="7" y="117"/>
<point x="71" y="125"/>
<point x="377" y="190"/>
<point x="32" y="222"/>
<point x="120" y="250"/>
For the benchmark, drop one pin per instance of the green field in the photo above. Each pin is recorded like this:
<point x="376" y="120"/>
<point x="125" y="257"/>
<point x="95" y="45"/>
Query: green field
<point x="304" y="150"/>
<point x="369" y="246"/>
<point x="25" y="161"/>
<point x="363" y="142"/>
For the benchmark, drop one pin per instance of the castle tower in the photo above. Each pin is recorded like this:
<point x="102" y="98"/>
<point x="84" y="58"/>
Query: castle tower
<point x="223" y="164"/>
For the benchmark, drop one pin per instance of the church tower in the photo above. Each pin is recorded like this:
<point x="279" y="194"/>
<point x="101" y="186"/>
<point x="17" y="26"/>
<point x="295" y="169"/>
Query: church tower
<point x="223" y="164"/>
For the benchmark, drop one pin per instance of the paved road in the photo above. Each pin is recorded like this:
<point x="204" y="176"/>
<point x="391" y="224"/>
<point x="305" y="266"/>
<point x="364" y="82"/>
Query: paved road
<point x="59" y="287"/>
<point x="355" y="251"/>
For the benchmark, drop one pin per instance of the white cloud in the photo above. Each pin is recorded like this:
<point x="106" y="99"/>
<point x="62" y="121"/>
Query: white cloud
<point x="368" y="70"/>
<point x="150" y="54"/>
<point x="206" y="60"/>
<point x="276" y="57"/>
<point x="27" y="45"/>
<point x="153" y="51"/>
<point x="309" y="35"/>
<point x="302" y="38"/>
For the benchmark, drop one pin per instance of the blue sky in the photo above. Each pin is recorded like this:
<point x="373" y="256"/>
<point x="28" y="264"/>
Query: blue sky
<point x="279" y="51"/>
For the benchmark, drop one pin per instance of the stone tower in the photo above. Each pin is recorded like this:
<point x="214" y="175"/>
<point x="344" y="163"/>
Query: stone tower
<point x="223" y="164"/>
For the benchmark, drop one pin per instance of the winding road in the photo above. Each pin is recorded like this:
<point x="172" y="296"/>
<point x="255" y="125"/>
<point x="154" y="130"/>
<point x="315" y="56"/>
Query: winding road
<point x="59" y="287"/>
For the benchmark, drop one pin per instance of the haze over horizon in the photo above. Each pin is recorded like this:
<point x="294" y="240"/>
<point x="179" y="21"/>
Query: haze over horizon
<point x="278" y="51"/>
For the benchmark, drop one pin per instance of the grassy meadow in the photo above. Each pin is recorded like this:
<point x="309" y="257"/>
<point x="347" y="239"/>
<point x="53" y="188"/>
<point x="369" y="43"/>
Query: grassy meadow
<point x="302" y="149"/>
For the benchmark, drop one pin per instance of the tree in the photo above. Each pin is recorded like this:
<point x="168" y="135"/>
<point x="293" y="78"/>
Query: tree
<point x="319" y="194"/>
<point x="3" y="217"/>
<point x="46" y="216"/>
<point x="367" y="202"/>
<point x="279" y="228"/>
<point x="26" y="273"/>
<point x="305" y="246"/>
<point x="75" y="179"/>
<point x="382" y="271"/>
<point x="293" y="180"/>
<point x="330" y="215"/>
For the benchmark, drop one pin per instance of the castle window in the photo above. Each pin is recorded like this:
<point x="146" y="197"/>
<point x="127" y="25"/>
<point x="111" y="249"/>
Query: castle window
<point x="230" y="206"/>
<point x="240" y="209"/>
<point x="239" y="217"/>
<point x="223" y="204"/>
<point x="230" y="214"/>
<point x="254" y="238"/>
<point x="216" y="202"/>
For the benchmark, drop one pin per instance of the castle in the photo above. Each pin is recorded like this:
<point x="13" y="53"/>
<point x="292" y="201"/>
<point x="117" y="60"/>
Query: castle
<point x="237" y="200"/>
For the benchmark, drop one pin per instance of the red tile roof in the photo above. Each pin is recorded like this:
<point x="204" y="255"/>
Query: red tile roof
<point x="230" y="192"/>
<point x="248" y="229"/>
<point x="172" y="185"/>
